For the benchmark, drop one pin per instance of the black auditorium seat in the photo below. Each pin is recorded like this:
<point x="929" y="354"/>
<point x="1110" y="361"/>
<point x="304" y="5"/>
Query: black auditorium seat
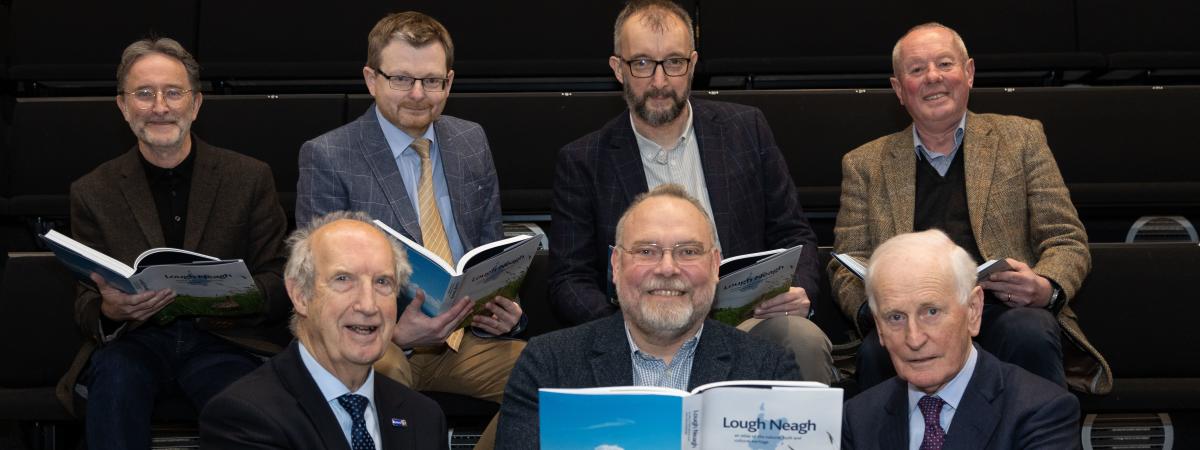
<point x="270" y="128"/>
<point x="766" y="44"/>
<point x="1121" y="150"/>
<point x="539" y="45"/>
<point x="1136" y="307"/>
<point x="68" y="44"/>
<point x="1147" y="42"/>
<point x="54" y="142"/>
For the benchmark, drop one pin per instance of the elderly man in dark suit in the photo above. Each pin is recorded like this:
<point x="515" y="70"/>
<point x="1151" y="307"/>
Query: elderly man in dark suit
<point x="722" y="153"/>
<point x="431" y="177"/>
<point x="665" y="268"/>
<point x="948" y="392"/>
<point x="322" y="393"/>
<point x="171" y="190"/>
<point x="991" y="183"/>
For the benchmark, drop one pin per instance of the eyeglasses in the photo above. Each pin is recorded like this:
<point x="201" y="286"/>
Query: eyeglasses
<point x="644" y="67"/>
<point x="404" y="82"/>
<point x="651" y="253"/>
<point x="145" y="98"/>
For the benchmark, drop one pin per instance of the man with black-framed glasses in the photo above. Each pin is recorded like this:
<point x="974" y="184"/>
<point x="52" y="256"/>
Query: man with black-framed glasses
<point x="170" y="190"/>
<point x="723" y="154"/>
<point x="430" y="177"/>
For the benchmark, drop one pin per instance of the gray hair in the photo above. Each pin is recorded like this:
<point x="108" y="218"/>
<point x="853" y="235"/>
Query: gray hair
<point x="670" y="190"/>
<point x="655" y="16"/>
<point x="958" y="44"/>
<point x="952" y="261"/>
<point x="300" y="269"/>
<point x="163" y="46"/>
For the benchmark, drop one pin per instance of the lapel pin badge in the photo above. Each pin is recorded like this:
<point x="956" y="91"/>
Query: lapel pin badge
<point x="399" y="423"/>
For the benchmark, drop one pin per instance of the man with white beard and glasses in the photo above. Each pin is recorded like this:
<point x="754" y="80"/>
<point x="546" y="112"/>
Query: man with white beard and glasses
<point x="665" y="269"/>
<point x="723" y="154"/>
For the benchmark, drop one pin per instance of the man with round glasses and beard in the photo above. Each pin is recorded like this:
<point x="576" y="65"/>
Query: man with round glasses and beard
<point x="722" y="154"/>
<point x="665" y="265"/>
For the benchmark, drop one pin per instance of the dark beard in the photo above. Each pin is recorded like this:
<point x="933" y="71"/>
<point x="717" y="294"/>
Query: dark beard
<point x="655" y="118"/>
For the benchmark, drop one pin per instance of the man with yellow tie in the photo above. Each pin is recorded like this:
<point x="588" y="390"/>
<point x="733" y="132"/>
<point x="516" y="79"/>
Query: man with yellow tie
<point x="430" y="177"/>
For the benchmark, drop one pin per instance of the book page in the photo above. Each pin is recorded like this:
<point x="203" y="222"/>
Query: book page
<point x="753" y="418"/>
<point x="594" y="419"/>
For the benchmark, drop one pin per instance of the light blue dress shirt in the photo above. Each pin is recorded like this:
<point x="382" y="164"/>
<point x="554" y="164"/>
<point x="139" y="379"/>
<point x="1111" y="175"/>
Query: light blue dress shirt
<point x="650" y="370"/>
<point x="332" y="388"/>
<point x="951" y="393"/>
<point x="940" y="162"/>
<point x="409" y="164"/>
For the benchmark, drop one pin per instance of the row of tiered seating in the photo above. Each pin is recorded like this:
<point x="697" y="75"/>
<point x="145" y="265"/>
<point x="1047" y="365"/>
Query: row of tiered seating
<point x="1122" y="150"/>
<point x="273" y="46"/>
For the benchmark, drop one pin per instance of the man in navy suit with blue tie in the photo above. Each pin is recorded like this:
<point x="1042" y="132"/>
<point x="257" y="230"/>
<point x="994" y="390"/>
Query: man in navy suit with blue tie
<point x="948" y="393"/>
<point x="430" y="177"/>
<point x="321" y="392"/>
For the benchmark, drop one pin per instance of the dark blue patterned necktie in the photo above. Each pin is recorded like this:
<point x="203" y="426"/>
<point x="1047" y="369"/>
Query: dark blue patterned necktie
<point x="355" y="405"/>
<point x="931" y="410"/>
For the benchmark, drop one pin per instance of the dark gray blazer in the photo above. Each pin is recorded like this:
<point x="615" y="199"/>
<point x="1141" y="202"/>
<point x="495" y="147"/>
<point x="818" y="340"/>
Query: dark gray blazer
<point x="597" y="354"/>
<point x="279" y="406"/>
<point x="351" y="168"/>
<point x="754" y="202"/>
<point x="1004" y="407"/>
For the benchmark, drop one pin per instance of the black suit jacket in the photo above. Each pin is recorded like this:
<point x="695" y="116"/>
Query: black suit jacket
<point x="754" y="202"/>
<point x="597" y="354"/>
<point x="279" y="406"/>
<point x="1003" y="407"/>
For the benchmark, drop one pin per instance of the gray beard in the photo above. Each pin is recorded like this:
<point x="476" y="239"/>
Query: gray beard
<point x="654" y="118"/>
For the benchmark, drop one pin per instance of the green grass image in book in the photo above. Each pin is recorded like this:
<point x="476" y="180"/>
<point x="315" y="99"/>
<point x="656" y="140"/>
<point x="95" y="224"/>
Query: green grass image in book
<point x="735" y="315"/>
<point x="508" y="291"/>
<point x="237" y="304"/>
<point x="747" y="280"/>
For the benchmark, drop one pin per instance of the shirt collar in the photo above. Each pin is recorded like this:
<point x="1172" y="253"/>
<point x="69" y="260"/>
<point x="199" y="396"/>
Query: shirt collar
<point x="155" y="174"/>
<point x="952" y="392"/>
<point x="651" y="149"/>
<point x="930" y="155"/>
<point x="687" y="347"/>
<point x="331" y="387"/>
<point x="399" y="141"/>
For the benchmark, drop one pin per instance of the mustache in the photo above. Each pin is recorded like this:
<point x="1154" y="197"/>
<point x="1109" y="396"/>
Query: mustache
<point x="670" y="284"/>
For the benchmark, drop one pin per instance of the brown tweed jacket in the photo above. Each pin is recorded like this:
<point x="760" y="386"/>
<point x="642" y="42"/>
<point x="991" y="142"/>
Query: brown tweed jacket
<point x="233" y="212"/>
<point x="1019" y="208"/>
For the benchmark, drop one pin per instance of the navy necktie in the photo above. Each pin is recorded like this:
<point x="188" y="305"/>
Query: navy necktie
<point x="355" y="405"/>
<point x="931" y="410"/>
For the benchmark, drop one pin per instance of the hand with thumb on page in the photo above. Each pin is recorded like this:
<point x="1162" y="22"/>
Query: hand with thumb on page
<point x="415" y="329"/>
<point x="119" y="306"/>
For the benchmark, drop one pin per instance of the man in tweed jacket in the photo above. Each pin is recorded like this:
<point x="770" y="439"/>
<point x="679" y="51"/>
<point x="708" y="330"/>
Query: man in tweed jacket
<point x="373" y="164"/>
<point x="722" y="153"/>
<point x="992" y="184"/>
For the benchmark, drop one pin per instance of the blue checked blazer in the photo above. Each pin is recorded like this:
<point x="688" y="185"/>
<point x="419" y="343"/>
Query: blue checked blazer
<point x="753" y="198"/>
<point x="351" y="168"/>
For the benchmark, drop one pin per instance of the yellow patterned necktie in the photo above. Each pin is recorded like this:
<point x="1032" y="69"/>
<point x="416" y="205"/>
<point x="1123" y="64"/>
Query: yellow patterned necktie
<point x="433" y="232"/>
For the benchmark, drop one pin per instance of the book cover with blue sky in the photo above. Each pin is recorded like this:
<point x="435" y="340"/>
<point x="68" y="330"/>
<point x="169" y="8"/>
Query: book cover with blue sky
<point x="610" y="421"/>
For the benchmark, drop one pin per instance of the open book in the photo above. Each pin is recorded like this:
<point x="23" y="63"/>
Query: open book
<point x="725" y="415"/>
<point x="203" y="285"/>
<point x="749" y="279"/>
<point x="497" y="268"/>
<point x="859" y="269"/>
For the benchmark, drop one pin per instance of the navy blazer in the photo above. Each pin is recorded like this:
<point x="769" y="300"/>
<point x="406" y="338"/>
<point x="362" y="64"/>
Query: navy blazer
<point x="597" y="354"/>
<point x="279" y="406"/>
<point x="1003" y="407"/>
<point x="754" y="202"/>
<point x="351" y="168"/>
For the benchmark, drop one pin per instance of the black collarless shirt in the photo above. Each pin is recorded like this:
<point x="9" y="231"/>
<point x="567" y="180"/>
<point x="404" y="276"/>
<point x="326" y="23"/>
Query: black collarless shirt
<point x="170" y="189"/>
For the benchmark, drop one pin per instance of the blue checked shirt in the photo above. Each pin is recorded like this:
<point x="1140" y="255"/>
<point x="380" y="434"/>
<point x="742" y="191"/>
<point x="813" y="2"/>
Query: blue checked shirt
<point x="649" y="370"/>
